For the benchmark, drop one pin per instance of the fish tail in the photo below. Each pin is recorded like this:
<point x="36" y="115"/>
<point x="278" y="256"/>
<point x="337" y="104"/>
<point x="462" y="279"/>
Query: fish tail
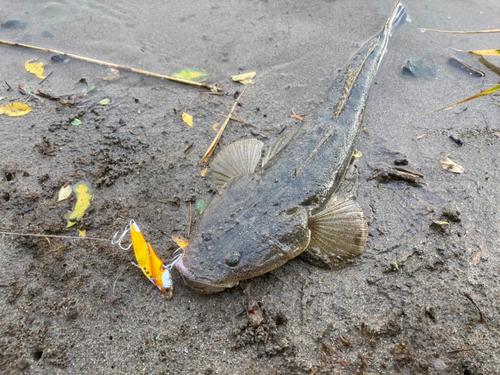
<point x="397" y="18"/>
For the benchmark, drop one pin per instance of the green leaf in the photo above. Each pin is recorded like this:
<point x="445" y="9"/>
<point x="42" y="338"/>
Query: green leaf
<point x="192" y="74"/>
<point x="105" y="101"/>
<point x="200" y="206"/>
<point x="76" y="122"/>
<point x="86" y="90"/>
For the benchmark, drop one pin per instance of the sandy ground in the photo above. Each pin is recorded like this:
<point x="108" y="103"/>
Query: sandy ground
<point x="420" y="299"/>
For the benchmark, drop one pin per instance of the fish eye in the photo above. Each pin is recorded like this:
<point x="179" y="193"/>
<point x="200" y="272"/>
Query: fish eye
<point x="233" y="259"/>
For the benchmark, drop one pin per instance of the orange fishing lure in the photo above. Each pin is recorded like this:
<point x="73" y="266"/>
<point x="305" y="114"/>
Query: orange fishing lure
<point x="149" y="263"/>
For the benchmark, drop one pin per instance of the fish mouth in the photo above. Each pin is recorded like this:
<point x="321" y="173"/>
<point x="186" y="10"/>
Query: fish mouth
<point x="199" y="286"/>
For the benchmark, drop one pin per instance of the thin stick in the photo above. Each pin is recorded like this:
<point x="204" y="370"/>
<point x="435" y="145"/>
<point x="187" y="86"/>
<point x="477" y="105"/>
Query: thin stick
<point x="190" y="218"/>
<point x="53" y="236"/>
<point x="47" y="76"/>
<point x="111" y="65"/>
<point x="463" y="32"/>
<point x="235" y="119"/>
<point x="211" y="148"/>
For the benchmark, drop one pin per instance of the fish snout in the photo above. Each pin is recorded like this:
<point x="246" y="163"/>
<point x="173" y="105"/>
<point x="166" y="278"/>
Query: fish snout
<point x="198" y="285"/>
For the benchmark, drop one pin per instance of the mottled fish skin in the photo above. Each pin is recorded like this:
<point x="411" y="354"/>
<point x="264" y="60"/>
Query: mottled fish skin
<point x="258" y="222"/>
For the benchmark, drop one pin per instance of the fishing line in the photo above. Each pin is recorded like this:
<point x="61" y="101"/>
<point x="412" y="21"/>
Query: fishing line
<point x="53" y="236"/>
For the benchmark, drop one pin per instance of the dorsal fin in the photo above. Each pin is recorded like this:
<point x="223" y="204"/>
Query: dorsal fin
<point x="237" y="159"/>
<point x="279" y="145"/>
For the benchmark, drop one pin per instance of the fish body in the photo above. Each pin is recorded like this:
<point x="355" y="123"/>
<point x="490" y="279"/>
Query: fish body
<point x="298" y="201"/>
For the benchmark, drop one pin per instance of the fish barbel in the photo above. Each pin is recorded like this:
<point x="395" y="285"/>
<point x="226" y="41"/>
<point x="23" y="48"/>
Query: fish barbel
<point x="299" y="201"/>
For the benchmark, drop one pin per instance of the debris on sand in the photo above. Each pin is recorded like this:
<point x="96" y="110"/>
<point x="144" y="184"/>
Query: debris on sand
<point x="424" y="68"/>
<point x="451" y="166"/>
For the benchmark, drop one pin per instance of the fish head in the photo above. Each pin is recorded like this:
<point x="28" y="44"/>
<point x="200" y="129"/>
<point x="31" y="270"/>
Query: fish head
<point x="226" y="249"/>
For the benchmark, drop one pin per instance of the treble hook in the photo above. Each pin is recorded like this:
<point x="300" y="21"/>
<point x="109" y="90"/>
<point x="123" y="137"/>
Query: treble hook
<point x="176" y="259"/>
<point x="118" y="241"/>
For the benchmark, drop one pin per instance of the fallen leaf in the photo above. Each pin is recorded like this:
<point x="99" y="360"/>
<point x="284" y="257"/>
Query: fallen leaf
<point x="482" y="52"/>
<point x="200" y="206"/>
<point x="204" y="172"/>
<point x="86" y="90"/>
<point x="441" y="223"/>
<point x="64" y="193"/>
<point x="477" y="258"/>
<point x="244" y="78"/>
<point x="82" y="232"/>
<point x="76" y="122"/>
<point x="36" y="68"/>
<point x="188" y="119"/>
<point x="105" y="101"/>
<point x="112" y="78"/>
<point x="451" y="166"/>
<point x="193" y="75"/>
<point x="357" y="154"/>
<point x="83" y="192"/>
<point x="480" y="95"/>
<point x="15" y="109"/>
<point x="216" y="126"/>
<point x="180" y="241"/>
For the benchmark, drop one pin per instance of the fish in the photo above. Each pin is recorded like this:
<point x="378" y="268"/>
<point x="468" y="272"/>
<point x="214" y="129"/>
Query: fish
<point x="300" y="200"/>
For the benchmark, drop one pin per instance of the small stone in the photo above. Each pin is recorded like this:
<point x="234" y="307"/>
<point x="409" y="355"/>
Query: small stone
<point x="452" y="212"/>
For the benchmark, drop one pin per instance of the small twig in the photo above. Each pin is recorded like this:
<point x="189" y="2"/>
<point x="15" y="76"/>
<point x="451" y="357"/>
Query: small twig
<point x="481" y="317"/>
<point x="188" y="147"/>
<point x="190" y="218"/>
<point x="212" y="146"/>
<point x="235" y="119"/>
<point x="296" y="116"/>
<point x="459" y="350"/>
<point x="111" y="65"/>
<point x="53" y="251"/>
<point x="463" y="32"/>
<point x="10" y="88"/>
<point x="47" y="76"/>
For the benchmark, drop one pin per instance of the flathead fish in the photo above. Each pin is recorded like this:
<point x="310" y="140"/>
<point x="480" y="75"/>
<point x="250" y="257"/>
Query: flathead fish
<point x="300" y="200"/>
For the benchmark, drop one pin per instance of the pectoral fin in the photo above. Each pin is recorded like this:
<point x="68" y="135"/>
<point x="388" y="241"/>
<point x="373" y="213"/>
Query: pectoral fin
<point x="338" y="234"/>
<point x="237" y="159"/>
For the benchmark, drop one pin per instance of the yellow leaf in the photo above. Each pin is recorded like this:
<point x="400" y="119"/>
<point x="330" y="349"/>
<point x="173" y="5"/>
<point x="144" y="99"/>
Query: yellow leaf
<point x="15" y="109"/>
<point x="193" y="74"/>
<point x="82" y="233"/>
<point x="480" y="95"/>
<point x="215" y="126"/>
<point x="180" y="241"/>
<point x="451" y="166"/>
<point x="83" y="192"/>
<point x="357" y="154"/>
<point x="64" y="193"/>
<point x="244" y="78"/>
<point x="35" y="68"/>
<point x="482" y="52"/>
<point x="204" y="172"/>
<point x="112" y="78"/>
<point x="188" y="119"/>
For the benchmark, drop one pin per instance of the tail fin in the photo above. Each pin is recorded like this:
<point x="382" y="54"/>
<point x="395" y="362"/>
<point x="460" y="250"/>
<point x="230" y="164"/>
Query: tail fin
<point x="397" y="18"/>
